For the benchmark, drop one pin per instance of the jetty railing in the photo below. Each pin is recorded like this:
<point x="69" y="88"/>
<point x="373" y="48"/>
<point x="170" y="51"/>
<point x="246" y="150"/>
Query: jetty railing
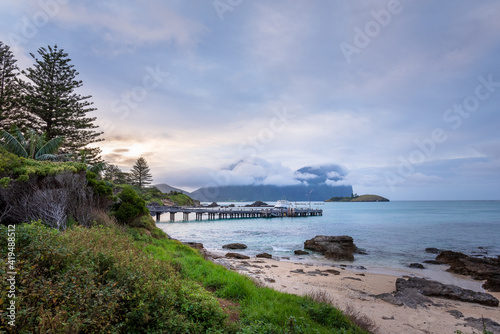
<point x="213" y="213"/>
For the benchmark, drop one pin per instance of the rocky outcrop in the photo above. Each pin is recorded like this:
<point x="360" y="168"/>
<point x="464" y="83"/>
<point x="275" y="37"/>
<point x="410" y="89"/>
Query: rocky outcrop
<point x="334" y="247"/>
<point x="237" y="256"/>
<point x="432" y="250"/>
<point x="416" y="266"/>
<point x="409" y="297"/>
<point x="487" y="269"/>
<point x="264" y="256"/>
<point x="436" y="289"/>
<point x="235" y="246"/>
<point x="257" y="204"/>
<point x="415" y="291"/>
<point x="196" y="245"/>
<point x="300" y="252"/>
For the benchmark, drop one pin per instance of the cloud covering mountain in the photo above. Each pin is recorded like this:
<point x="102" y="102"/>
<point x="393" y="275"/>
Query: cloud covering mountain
<point x="260" y="180"/>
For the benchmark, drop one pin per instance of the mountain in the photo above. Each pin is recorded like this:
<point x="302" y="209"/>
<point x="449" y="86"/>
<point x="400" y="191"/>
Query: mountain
<point x="316" y="183"/>
<point x="165" y="188"/>
<point x="270" y="193"/>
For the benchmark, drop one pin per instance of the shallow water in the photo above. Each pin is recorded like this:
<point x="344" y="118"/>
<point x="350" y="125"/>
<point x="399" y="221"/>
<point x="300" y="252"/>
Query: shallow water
<point x="394" y="234"/>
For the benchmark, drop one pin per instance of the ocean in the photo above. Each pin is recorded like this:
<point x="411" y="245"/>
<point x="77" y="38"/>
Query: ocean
<point x="394" y="234"/>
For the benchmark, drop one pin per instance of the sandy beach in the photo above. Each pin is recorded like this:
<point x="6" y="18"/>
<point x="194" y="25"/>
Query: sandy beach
<point x="354" y="289"/>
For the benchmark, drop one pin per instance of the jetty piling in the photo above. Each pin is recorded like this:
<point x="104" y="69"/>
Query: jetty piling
<point x="230" y="212"/>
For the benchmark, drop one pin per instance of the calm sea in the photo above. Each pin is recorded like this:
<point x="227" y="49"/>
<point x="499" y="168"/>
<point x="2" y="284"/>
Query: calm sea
<point x="394" y="234"/>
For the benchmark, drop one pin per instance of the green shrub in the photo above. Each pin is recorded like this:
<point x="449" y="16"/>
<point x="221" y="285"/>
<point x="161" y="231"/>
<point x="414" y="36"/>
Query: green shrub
<point x="8" y="162"/>
<point x="5" y="181"/>
<point x="130" y="207"/>
<point x="98" y="281"/>
<point x="29" y="167"/>
<point x="100" y="187"/>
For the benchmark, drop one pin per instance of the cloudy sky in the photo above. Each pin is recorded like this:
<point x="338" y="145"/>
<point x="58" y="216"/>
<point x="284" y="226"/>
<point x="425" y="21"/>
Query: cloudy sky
<point x="404" y="95"/>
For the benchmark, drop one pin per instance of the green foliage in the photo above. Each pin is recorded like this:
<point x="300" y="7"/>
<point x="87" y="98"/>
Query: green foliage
<point x="21" y="169"/>
<point x="9" y="88"/>
<point x="60" y="111"/>
<point x="181" y="199"/>
<point x="8" y="162"/>
<point x="5" y="181"/>
<point x="140" y="175"/>
<point x="154" y="195"/>
<point x="98" y="281"/>
<point x="113" y="173"/>
<point x="262" y="310"/>
<point x="29" y="167"/>
<point x="151" y="195"/>
<point x="32" y="146"/>
<point x="101" y="280"/>
<point x="130" y="207"/>
<point x="100" y="187"/>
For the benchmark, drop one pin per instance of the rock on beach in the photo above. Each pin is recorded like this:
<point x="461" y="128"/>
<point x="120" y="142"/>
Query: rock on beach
<point x="237" y="256"/>
<point x="340" y="248"/>
<point x="487" y="269"/>
<point x="264" y="256"/>
<point x="235" y="246"/>
<point x="436" y="289"/>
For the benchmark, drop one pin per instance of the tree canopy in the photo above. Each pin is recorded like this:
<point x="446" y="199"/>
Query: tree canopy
<point x="10" y="111"/>
<point x="141" y="174"/>
<point x="50" y="95"/>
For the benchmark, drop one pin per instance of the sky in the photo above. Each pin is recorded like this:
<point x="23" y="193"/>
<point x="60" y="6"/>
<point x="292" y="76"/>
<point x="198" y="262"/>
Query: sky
<point x="403" y="95"/>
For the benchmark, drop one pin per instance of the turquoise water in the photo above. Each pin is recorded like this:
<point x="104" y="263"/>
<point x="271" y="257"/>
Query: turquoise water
<point x="393" y="234"/>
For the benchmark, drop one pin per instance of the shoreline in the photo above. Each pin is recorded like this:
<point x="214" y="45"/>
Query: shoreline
<point x="436" y="272"/>
<point x="355" y="289"/>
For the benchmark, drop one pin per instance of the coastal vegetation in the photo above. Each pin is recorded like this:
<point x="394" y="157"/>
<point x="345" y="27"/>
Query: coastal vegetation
<point x="356" y="198"/>
<point x="106" y="279"/>
<point x="88" y="255"/>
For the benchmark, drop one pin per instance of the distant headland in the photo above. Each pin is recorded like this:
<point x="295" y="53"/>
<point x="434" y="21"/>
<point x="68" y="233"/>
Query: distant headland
<point x="356" y="198"/>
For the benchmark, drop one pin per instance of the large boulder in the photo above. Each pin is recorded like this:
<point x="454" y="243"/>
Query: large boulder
<point x="487" y="269"/>
<point x="333" y="247"/>
<point x="237" y="256"/>
<point x="436" y="289"/>
<point x="235" y="246"/>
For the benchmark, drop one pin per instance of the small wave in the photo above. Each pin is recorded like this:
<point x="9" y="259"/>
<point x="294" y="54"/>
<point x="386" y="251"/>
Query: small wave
<point x="280" y="249"/>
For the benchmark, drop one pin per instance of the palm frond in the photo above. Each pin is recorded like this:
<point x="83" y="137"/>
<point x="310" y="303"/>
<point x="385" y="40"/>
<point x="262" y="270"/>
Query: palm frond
<point x="19" y="136"/>
<point x="12" y="145"/>
<point x="49" y="148"/>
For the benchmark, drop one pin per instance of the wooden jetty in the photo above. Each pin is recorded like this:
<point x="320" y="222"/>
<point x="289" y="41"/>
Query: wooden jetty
<point x="231" y="212"/>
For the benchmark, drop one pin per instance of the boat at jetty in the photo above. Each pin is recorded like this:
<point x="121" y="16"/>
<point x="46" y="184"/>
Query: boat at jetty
<point x="284" y="204"/>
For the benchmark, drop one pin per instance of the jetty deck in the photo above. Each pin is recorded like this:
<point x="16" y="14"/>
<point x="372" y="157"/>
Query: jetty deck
<point x="212" y="213"/>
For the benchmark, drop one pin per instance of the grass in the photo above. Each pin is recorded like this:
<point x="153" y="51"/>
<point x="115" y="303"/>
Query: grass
<point x="181" y="199"/>
<point x="102" y="279"/>
<point x="262" y="310"/>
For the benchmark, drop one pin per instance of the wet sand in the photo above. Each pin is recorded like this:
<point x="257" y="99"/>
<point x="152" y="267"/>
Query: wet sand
<point x="355" y="289"/>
